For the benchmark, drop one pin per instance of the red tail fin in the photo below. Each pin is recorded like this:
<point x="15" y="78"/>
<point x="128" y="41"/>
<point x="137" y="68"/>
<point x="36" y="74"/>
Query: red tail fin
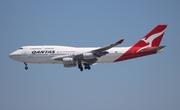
<point x="153" y="38"/>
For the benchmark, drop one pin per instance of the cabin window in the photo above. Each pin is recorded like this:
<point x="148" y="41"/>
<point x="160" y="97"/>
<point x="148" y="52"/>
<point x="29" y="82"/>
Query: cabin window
<point x="48" y="48"/>
<point x="35" y="48"/>
<point x="20" y="48"/>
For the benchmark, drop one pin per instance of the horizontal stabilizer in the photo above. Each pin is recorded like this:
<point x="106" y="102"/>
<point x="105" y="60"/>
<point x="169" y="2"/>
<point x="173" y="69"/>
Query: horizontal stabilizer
<point x="153" y="49"/>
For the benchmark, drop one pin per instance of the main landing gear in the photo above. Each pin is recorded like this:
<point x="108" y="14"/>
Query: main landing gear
<point x="80" y="67"/>
<point x="86" y="66"/>
<point x="26" y="68"/>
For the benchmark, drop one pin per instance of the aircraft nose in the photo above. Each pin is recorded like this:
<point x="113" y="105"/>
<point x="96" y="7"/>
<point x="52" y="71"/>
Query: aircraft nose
<point x="16" y="55"/>
<point x="11" y="55"/>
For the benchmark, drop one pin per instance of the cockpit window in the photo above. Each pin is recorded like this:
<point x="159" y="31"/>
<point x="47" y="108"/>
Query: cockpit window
<point x="20" y="48"/>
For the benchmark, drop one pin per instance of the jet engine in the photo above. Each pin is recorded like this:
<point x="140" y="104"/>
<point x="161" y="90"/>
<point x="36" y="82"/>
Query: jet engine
<point x="69" y="62"/>
<point x="88" y="56"/>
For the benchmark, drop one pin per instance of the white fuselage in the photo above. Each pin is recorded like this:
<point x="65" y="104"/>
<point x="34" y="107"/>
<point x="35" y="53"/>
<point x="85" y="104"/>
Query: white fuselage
<point x="86" y="56"/>
<point x="44" y="54"/>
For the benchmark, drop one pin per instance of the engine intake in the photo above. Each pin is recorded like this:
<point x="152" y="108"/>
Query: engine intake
<point x="88" y="55"/>
<point x="69" y="62"/>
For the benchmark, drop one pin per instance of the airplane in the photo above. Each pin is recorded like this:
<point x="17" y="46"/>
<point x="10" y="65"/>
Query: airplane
<point x="87" y="56"/>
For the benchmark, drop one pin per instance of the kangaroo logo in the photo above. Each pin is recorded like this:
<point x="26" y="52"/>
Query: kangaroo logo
<point x="150" y="39"/>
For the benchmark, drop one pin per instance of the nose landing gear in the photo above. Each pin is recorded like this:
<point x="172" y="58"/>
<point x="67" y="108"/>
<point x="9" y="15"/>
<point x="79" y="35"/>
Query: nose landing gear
<point x="26" y="68"/>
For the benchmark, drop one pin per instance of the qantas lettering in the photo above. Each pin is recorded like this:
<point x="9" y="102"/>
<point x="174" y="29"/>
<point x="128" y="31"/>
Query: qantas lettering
<point x="43" y="51"/>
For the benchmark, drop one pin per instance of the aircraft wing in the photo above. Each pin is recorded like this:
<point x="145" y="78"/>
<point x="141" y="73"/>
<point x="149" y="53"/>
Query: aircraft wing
<point x="97" y="53"/>
<point x="60" y="58"/>
<point x="108" y="47"/>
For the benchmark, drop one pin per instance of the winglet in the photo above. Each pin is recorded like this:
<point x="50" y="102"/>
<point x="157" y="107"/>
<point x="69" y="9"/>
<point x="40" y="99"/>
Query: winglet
<point x="119" y="42"/>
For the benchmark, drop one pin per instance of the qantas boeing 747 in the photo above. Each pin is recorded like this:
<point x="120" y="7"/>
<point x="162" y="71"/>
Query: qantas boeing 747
<point x="87" y="56"/>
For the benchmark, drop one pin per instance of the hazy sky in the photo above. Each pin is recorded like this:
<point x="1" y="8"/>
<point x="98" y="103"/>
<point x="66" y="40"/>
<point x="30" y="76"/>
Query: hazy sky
<point x="148" y="83"/>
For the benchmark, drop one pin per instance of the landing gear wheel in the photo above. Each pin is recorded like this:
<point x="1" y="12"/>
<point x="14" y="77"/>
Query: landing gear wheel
<point x="26" y="68"/>
<point x="80" y="67"/>
<point x="87" y="66"/>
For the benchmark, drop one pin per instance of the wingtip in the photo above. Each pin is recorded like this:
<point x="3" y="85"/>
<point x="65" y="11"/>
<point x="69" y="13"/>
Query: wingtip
<point x="120" y="41"/>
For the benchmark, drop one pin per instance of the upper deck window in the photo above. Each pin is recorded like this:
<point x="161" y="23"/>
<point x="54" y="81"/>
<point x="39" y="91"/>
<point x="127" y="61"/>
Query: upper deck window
<point x="20" y="48"/>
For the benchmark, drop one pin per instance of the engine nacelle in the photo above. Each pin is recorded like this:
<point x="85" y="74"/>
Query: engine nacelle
<point x="88" y="55"/>
<point x="69" y="65"/>
<point x="69" y="62"/>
